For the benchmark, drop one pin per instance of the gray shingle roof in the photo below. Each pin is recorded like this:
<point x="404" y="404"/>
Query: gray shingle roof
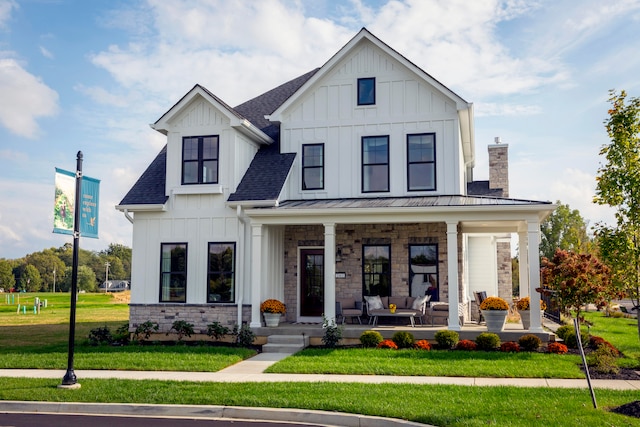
<point x="481" y="188"/>
<point x="149" y="189"/>
<point x="268" y="170"/>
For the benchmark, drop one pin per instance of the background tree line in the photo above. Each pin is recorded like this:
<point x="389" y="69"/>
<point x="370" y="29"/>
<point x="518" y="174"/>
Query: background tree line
<point x="44" y="270"/>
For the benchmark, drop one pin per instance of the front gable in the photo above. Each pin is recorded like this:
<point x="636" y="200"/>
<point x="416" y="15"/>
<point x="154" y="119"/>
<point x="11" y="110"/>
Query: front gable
<point x="327" y="112"/>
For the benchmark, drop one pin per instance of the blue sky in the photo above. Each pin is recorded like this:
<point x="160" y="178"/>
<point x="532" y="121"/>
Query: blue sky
<point x="91" y="76"/>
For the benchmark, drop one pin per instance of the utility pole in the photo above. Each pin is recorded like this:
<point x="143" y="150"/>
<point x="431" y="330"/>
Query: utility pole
<point x="106" y="275"/>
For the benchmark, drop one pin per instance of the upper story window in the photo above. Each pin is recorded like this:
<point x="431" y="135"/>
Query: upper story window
<point x="421" y="162"/>
<point x="200" y="160"/>
<point x="173" y="272"/>
<point x="375" y="164"/>
<point x="222" y="276"/>
<point x="313" y="166"/>
<point x="367" y="91"/>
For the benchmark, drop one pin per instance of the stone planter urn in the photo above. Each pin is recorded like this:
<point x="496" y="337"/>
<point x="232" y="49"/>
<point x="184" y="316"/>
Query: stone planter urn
<point x="272" y="319"/>
<point x="495" y="319"/>
<point x="525" y="317"/>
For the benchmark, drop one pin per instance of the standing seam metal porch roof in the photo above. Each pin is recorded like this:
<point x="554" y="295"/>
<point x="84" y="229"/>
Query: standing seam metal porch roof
<point x="403" y="202"/>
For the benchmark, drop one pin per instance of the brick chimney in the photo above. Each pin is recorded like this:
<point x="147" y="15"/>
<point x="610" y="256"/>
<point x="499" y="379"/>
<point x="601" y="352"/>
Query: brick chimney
<point x="499" y="167"/>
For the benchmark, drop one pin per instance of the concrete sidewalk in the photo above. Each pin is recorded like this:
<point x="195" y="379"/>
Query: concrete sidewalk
<point x="252" y="370"/>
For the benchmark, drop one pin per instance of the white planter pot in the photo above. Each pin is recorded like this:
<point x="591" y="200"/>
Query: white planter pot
<point x="525" y="317"/>
<point x="271" y="319"/>
<point x="495" y="319"/>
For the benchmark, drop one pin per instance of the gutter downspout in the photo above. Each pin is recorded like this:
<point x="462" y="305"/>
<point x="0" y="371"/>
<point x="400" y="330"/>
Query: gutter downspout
<point x="127" y="215"/>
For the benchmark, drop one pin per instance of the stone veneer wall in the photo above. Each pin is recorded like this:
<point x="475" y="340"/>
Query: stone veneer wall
<point x="200" y="315"/>
<point x="499" y="168"/>
<point x="350" y="239"/>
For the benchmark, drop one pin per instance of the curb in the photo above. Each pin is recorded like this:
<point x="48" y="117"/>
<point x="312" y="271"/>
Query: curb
<point x="320" y="418"/>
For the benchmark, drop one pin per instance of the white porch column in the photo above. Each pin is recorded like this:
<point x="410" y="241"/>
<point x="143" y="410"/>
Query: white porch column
<point x="452" y="272"/>
<point x="256" y="274"/>
<point x="523" y="261"/>
<point x="330" y="272"/>
<point x="533" y="234"/>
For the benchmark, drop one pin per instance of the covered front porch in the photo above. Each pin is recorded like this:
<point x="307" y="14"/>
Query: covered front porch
<point x="339" y="232"/>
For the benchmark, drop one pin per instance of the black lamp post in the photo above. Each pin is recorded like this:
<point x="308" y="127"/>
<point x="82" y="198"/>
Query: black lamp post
<point x="70" y="377"/>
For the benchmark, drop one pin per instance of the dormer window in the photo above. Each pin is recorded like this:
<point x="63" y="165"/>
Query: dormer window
<point x="200" y="159"/>
<point x="367" y="91"/>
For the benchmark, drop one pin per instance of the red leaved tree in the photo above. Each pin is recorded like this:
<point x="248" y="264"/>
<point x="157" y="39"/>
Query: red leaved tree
<point x="575" y="280"/>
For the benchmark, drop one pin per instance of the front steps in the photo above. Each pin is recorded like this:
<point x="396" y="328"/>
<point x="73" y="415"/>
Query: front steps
<point x="285" y="343"/>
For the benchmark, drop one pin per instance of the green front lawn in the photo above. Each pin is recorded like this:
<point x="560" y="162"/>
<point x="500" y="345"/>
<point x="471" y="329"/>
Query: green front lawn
<point x="621" y="332"/>
<point x="441" y="405"/>
<point x="430" y="363"/>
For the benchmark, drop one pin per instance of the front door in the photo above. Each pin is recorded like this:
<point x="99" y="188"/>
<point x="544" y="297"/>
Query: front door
<point x="311" y="282"/>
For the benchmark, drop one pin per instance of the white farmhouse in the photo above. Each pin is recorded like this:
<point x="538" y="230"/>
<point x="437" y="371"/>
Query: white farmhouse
<point x="354" y="179"/>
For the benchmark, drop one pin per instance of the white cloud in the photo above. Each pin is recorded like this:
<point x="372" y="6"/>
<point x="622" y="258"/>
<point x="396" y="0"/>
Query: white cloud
<point x="46" y="53"/>
<point x="6" y="7"/>
<point x="484" y="109"/>
<point x="24" y="99"/>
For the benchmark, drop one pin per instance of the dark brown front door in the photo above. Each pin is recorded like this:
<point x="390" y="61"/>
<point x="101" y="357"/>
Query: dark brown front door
<point x="312" y="282"/>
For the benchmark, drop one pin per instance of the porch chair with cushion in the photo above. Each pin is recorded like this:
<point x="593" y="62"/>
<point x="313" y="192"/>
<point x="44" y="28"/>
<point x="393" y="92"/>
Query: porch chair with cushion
<point x="348" y="308"/>
<point x="438" y="310"/>
<point x="479" y="297"/>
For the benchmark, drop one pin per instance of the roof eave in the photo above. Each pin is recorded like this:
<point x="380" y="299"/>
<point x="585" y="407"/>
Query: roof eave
<point x="143" y="208"/>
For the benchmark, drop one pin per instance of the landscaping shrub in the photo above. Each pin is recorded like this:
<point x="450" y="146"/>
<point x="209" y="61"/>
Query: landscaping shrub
<point x="617" y="314"/>
<point x="244" y="335"/>
<point x="603" y="360"/>
<point x="571" y="341"/>
<point x="145" y="329"/>
<point x="422" y="345"/>
<point x="529" y="342"/>
<point x="466" y="345"/>
<point x="563" y="331"/>
<point x="510" y="347"/>
<point x="488" y="341"/>
<point x="388" y="344"/>
<point x="370" y="339"/>
<point x="101" y="335"/>
<point x="595" y="342"/>
<point x="557" y="348"/>
<point x="122" y="334"/>
<point x="403" y="339"/>
<point x="447" y="339"/>
<point x="182" y="328"/>
<point x="216" y="330"/>
<point x="332" y="333"/>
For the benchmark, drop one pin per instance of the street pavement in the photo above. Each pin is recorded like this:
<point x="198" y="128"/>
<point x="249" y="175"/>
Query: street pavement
<point x="252" y="370"/>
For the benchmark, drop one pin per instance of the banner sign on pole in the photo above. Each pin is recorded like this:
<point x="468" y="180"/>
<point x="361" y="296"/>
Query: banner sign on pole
<point x="65" y="183"/>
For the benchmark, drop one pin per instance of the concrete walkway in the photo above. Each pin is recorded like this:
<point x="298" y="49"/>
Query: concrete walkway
<point x="252" y="370"/>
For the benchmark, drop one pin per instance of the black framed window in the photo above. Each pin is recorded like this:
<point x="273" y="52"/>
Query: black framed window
<point x="222" y="276"/>
<point x="423" y="270"/>
<point x="367" y="91"/>
<point x="375" y="164"/>
<point x="313" y="166"/>
<point x="200" y="159"/>
<point x="173" y="272"/>
<point x="421" y="161"/>
<point x="376" y="270"/>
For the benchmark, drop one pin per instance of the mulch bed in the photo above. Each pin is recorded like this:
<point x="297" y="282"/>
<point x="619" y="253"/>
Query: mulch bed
<point x="631" y="409"/>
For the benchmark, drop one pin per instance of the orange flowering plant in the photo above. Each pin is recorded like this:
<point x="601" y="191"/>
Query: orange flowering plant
<point x="523" y="304"/>
<point x="273" y="306"/>
<point x="494" y="303"/>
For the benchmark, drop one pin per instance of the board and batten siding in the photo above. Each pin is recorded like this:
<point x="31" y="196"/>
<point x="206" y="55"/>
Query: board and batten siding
<point x="481" y="269"/>
<point x="405" y="104"/>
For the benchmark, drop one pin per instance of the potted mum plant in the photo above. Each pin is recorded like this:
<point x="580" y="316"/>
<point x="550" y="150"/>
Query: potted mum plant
<point x="272" y="309"/>
<point x="523" y="306"/>
<point x="494" y="310"/>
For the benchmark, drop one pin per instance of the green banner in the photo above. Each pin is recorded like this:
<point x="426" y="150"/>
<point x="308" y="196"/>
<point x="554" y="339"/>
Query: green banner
<point x="64" y="207"/>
